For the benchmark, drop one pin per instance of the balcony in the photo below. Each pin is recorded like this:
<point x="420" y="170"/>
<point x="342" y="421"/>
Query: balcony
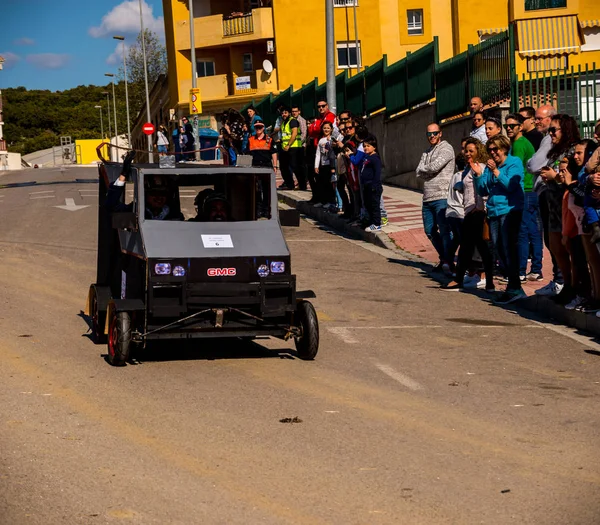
<point x="534" y="5"/>
<point x="220" y="87"/>
<point x="528" y="9"/>
<point x="213" y="31"/>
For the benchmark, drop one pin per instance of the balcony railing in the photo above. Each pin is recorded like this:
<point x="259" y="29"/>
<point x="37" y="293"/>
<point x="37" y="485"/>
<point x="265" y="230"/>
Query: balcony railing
<point x="534" y="5"/>
<point x="240" y="25"/>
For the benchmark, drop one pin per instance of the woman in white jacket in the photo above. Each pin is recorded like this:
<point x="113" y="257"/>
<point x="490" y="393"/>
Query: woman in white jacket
<point x="325" y="168"/>
<point x="472" y="235"/>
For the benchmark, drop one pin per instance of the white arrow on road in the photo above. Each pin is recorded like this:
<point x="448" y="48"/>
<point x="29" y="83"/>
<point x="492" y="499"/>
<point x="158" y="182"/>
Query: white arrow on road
<point x="71" y="206"/>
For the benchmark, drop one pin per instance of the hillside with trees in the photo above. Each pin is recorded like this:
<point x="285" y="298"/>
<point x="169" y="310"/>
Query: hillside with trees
<point x="36" y="119"/>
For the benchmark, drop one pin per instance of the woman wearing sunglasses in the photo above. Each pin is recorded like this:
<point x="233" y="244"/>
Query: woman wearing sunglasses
<point x="502" y="183"/>
<point x="564" y="134"/>
<point x="472" y="227"/>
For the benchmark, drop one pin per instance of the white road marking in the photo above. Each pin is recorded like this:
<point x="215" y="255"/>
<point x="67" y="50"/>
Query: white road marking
<point x="397" y="376"/>
<point x="70" y="205"/>
<point x="40" y="192"/>
<point x="344" y="335"/>
<point x="427" y="326"/>
<point x="42" y="197"/>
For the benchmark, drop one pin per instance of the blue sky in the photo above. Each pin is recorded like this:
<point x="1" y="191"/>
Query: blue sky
<point x="58" y="45"/>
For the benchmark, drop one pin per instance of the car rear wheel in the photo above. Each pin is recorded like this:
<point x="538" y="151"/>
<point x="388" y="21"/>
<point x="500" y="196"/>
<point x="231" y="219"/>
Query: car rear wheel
<point x="98" y="318"/>
<point x="307" y="344"/>
<point x="119" y="338"/>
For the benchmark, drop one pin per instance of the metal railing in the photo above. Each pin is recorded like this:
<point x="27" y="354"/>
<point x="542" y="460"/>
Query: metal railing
<point x="534" y="5"/>
<point x="240" y="25"/>
<point x="575" y="91"/>
<point x="2" y="145"/>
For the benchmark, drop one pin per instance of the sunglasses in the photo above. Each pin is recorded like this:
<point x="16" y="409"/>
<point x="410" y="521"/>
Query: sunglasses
<point x="511" y="126"/>
<point x="258" y="127"/>
<point x="492" y="150"/>
<point x="433" y="133"/>
<point x="321" y="106"/>
<point x="553" y="129"/>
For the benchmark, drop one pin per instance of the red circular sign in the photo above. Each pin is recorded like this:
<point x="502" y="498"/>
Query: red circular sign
<point x="148" y="128"/>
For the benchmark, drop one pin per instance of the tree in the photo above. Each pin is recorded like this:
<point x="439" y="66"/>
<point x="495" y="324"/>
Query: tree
<point x="156" y="58"/>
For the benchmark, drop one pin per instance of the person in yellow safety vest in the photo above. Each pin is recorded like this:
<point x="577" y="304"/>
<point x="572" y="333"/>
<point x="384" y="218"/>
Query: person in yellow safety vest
<point x="291" y="157"/>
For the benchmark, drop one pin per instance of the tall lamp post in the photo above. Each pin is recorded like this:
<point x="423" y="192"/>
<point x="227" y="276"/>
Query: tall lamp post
<point x="150" y="154"/>
<point x="112" y="80"/>
<point x="108" y="112"/>
<point x="122" y="39"/>
<point x="194" y="74"/>
<point x="330" y="55"/>
<point x="101" y="124"/>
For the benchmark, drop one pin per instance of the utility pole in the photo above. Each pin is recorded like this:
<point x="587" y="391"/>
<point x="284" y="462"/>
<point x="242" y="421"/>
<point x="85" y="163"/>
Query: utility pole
<point x="330" y="54"/>
<point x="358" y="57"/>
<point x="101" y="123"/>
<point x="150" y="153"/>
<point x="194" y="74"/>
<point x="108" y="112"/>
<point x="112" y="80"/>
<point x="122" y="39"/>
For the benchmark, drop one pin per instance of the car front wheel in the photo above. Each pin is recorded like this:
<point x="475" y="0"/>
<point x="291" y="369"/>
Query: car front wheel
<point x="307" y="344"/>
<point x="119" y="338"/>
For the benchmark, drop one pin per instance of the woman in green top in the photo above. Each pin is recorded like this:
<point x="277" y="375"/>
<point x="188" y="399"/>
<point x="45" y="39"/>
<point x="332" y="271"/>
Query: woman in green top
<point x="530" y="235"/>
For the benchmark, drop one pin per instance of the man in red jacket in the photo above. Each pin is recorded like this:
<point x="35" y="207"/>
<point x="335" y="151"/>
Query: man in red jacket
<point x="314" y="134"/>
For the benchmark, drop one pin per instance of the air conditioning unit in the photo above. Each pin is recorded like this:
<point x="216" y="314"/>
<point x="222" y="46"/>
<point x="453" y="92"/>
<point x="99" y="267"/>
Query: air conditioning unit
<point x="270" y="46"/>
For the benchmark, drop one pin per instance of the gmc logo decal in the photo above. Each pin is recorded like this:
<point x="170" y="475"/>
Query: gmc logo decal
<point x="221" y="272"/>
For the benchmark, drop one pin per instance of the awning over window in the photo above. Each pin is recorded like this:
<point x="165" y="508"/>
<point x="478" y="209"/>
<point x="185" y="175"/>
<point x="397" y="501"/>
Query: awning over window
<point x="549" y="36"/>
<point x="547" y="63"/>
<point x="590" y="23"/>
<point x="491" y="31"/>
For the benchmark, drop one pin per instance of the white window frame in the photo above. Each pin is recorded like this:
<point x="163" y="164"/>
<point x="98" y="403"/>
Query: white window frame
<point x="205" y="61"/>
<point x="413" y="23"/>
<point x="345" y="3"/>
<point x="246" y="70"/>
<point x="589" y="100"/>
<point x="347" y="46"/>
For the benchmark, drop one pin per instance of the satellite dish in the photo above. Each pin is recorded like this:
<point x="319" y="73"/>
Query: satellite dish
<point x="268" y="67"/>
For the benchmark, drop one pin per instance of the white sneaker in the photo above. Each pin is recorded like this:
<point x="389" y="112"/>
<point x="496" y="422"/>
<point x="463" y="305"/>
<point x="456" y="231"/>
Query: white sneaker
<point x="552" y="288"/>
<point x="373" y="228"/>
<point x="575" y="303"/>
<point x="472" y="281"/>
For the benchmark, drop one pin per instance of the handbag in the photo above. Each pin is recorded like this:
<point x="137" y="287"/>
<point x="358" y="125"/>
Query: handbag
<point x="486" y="230"/>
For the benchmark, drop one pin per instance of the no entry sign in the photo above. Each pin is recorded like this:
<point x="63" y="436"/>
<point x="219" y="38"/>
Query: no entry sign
<point x="148" y="128"/>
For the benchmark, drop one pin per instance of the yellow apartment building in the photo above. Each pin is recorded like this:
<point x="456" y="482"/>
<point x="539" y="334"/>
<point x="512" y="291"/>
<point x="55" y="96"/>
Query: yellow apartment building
<point x="246" y="49"/>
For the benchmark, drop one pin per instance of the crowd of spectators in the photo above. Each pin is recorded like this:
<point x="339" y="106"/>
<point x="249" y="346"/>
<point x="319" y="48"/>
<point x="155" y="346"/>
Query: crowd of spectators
<point x="489" y="210"/>
<point x="334" y="156"/>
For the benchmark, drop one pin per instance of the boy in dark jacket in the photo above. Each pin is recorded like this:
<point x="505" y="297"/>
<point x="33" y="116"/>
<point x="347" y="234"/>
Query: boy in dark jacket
<point x="370" y="179"/>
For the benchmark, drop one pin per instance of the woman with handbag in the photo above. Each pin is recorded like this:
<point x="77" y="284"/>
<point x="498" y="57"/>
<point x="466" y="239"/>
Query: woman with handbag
<point x="474" y="226"/>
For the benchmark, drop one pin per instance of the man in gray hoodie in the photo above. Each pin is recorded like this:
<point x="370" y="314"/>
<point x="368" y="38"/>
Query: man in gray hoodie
<point x="436" y="170"/>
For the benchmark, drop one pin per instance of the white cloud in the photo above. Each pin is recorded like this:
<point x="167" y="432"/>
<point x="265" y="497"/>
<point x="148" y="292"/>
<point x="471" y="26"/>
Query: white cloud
<point x="24" y="41"/>
<point x="125" y="18"/>
<point x="48" y="60"/>
<point x="116" y="58"/>
<point x="10" y="59"/>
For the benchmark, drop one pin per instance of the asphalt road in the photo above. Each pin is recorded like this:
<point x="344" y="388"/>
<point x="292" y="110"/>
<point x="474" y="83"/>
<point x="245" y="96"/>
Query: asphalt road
<point x="422" y="407"/>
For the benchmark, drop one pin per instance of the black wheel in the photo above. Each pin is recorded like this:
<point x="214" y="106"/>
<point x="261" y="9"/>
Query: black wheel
<point x="307" y="344"/>
<point x="119" y="338"/>
<point x="98" y="318"/>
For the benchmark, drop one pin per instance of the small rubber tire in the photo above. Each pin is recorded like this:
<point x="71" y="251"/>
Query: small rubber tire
<point x="119" y="338"/>
<point x="98" y="319"/>
<point x="307" y="344"/>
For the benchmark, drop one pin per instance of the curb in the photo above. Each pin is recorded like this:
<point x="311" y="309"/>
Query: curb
<point x="542" y="306"/>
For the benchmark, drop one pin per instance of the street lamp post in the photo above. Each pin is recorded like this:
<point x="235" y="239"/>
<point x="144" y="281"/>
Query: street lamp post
<point x="194" y="74"/>
<point x="330" y="55"/>
<point x="122" y="38"/>
<point x="150" y="154"/>
<point x="101" y="124"/>
<point x="112" y="80"/>
<point x="108" y="113"/>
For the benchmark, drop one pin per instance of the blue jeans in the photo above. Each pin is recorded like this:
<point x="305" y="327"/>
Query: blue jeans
<point x="531" y="235"/>
<point x="162" y="148"/>
<point x="455" y="224"/>
<point x="437" y="228"/>
<point x="504" y="231"/>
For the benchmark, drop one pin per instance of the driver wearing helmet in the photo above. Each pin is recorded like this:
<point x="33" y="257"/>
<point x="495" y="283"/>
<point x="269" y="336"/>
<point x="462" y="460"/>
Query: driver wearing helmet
<point x="211" y="206"/>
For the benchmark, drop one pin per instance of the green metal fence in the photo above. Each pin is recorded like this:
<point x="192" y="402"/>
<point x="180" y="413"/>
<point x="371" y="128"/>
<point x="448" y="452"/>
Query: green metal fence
<point x="575" y="91"/>
<point x="485" y="70"/>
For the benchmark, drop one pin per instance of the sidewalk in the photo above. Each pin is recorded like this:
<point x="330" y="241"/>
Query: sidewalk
<point x="405" y="231"/>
